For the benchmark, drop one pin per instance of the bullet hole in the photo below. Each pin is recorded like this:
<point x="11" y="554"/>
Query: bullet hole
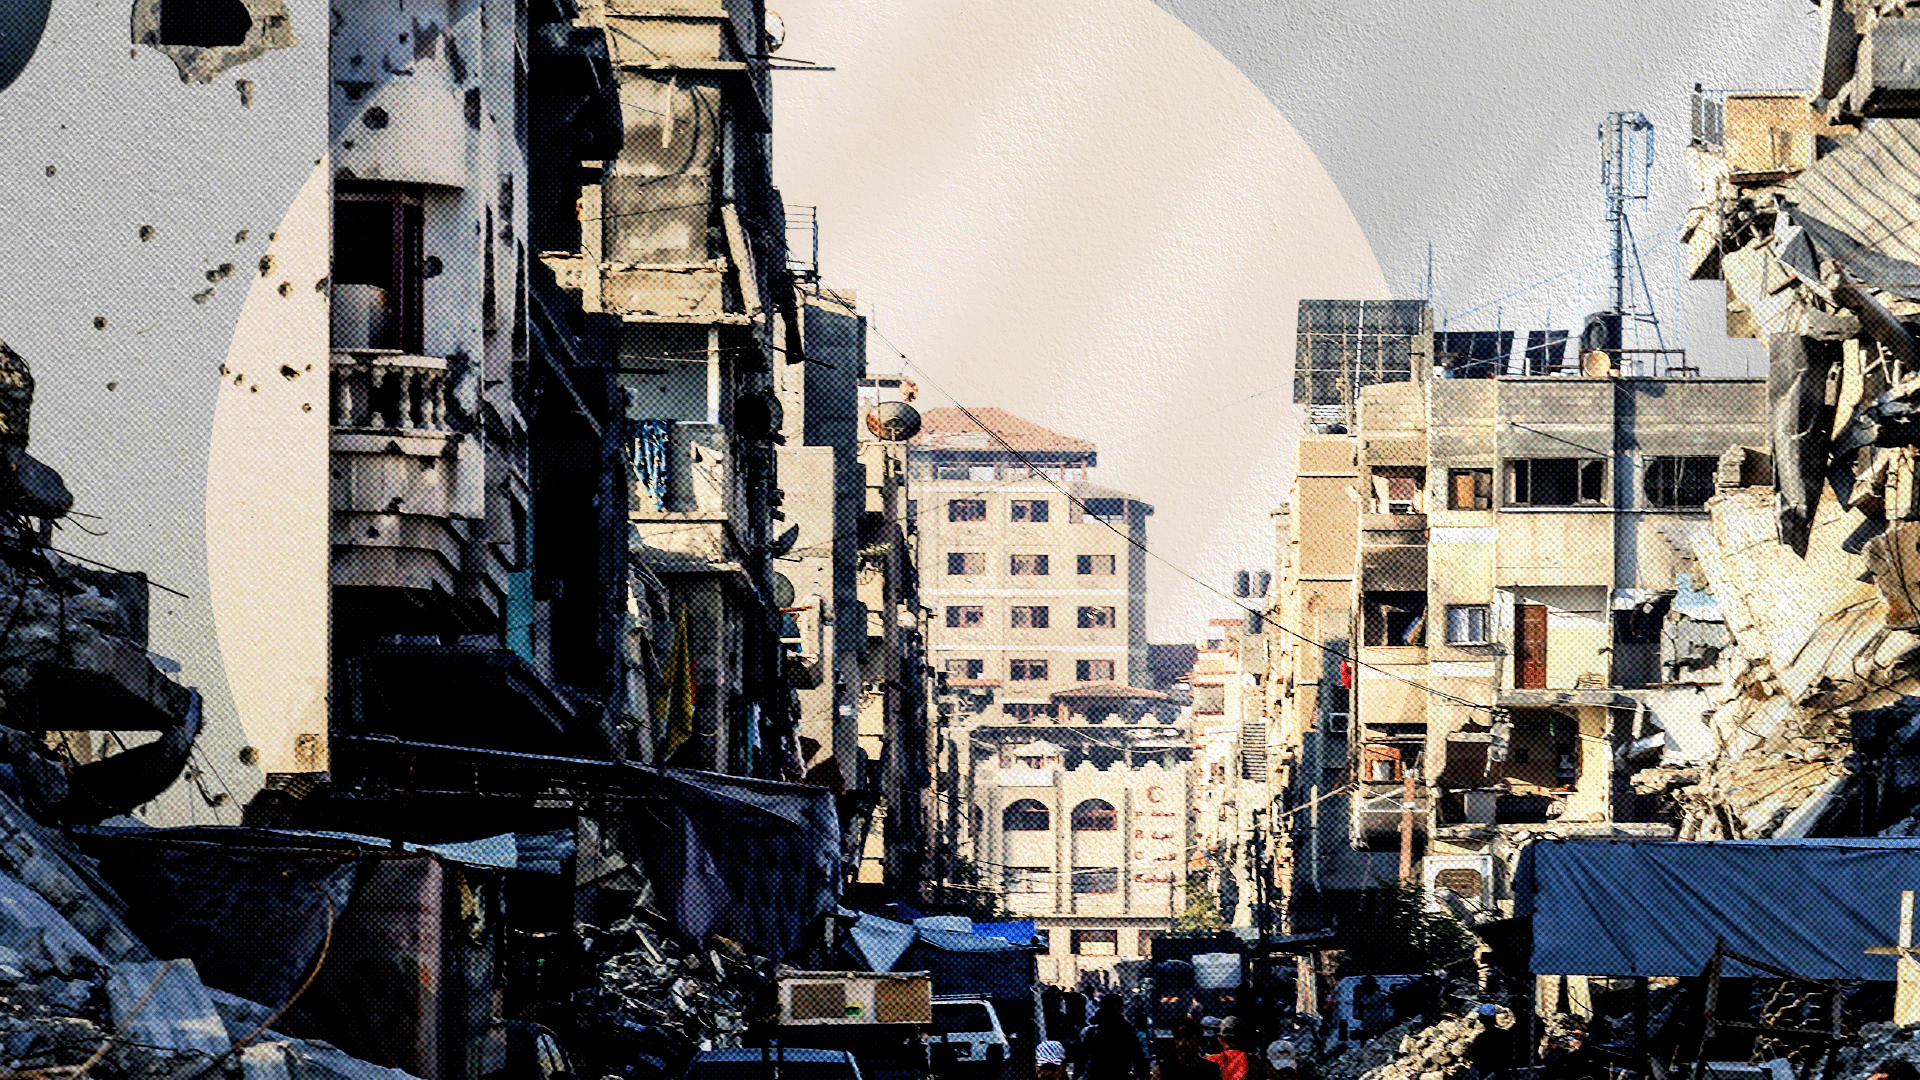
<point x="113" y="386"/>
<point x="266" y="264"/>
<point x="272" y="236"/>
<point x="375" y="118"/>
<point x="320" y="286"/>
<point x="286" y="288"/>
<point x="306" y="406"/>
<point x="240" y="378"/>
<point x="372" y="533"/>
<point x="221" y="272"/>
<point x="203" y="24"/>
<point x="51" y="170"/>
<point x="255" y="388"/>
<point x="245" y="86"/>
<point x="203" y="296"/>
<point x="249" y="756"/>
<point x="431" y="266"/>
<point x="146" y="233"/>
<point x="99" y="322"/>
<point x="346" y="144"/>
<point x="403" y="37"/>
<point x="223" y="371"/>
<point x="240" y="237"/>
<point x="287" y="372"/>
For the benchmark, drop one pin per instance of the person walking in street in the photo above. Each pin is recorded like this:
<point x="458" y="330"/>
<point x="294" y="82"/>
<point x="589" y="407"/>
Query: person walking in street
<point x="1050" y="1061"/>
<point x="1109" y="1047"/>
<point x="1232" y="1058"/>
<point x="1491" y="1051"/>
<point x="1184" y="1061"/>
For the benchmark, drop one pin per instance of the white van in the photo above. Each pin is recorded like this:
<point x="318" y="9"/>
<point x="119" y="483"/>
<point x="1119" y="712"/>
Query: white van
<point x="966" y="1031"/>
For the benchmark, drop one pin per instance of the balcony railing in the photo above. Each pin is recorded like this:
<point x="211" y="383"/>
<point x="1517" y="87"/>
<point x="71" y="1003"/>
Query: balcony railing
<point x="383" y="390"/>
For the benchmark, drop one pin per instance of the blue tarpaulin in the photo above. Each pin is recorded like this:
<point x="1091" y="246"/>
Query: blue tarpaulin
<point x="1625" y="908"/>
<point x="1020" y="933"/>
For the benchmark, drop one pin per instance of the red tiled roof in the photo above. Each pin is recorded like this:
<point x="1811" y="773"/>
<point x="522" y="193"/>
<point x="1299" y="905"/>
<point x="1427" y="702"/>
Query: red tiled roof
<point x="951" y="429"/>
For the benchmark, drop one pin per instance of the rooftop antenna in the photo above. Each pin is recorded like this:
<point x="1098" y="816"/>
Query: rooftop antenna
<point x="1626" y="177"/>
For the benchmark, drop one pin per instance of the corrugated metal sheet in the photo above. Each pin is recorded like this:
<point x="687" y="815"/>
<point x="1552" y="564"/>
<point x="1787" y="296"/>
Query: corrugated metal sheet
<point x="1860" y="205"/>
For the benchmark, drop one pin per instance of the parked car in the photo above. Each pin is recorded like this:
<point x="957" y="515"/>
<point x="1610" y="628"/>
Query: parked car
<point x="967" y="1039"/>
<point x="772" y="1063"/>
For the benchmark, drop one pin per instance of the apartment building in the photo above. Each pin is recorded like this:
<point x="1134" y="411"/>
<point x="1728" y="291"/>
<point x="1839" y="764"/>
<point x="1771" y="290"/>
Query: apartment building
<point x="1036" y="574"/>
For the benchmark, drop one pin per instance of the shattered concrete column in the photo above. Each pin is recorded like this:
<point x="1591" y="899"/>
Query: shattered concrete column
<point x="1802" y="421"/>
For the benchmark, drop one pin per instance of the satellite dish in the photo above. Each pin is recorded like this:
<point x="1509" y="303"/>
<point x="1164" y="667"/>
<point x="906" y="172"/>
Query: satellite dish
<point x="894" y="421"/>
<point x="776" y="31"/>
<point x="782" y="590"/>
<point x="784" y="542"/>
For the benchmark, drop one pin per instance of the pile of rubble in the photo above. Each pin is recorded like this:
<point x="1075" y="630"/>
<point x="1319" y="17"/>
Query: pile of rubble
<point x="1406" y="1052"/>
<point x="664" y="999"/>
<point x="1876" y="1043"/>
<point x="1368" y="1056"/>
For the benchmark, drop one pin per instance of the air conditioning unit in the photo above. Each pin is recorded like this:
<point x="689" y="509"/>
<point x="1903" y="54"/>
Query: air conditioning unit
<point x="1469" y="876"/>
<point x="1338" y="723"/>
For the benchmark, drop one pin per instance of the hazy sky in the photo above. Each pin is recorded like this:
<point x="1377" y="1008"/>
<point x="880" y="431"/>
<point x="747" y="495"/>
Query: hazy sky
<point x="1101" y="214"/>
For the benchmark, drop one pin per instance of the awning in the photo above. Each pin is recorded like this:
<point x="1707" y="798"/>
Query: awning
<point x="1630" y="908"/>
<point x="1108" y="691"/>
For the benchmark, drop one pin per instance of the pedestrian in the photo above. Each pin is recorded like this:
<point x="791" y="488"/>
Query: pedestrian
<point x="1050" y="1061"/>
<point x="1185" y="1060"/>
<point x="1491" y="1051"/>
<point x="1109" y="1047"/>
<point x="1895" y="1069"/>
<point x="1232" y="1058"/>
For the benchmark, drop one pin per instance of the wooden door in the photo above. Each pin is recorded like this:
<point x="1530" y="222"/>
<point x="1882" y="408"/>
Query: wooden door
<point x="1530" y="646"/>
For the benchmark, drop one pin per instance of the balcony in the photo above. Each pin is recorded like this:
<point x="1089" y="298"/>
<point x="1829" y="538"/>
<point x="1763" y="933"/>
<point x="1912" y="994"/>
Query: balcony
<point x="1378" y="810"/>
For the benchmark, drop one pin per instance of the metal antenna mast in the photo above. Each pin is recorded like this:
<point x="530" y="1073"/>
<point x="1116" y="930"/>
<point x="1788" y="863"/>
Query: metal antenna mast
<point x="1626" y="175"/>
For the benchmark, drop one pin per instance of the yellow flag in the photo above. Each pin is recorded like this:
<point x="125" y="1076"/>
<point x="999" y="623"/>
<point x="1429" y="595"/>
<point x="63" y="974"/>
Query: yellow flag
<point x="675" y="701"/>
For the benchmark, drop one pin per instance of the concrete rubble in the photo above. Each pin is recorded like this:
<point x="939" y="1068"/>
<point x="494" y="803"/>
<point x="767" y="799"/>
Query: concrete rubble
<point x="1409" y="1052"/>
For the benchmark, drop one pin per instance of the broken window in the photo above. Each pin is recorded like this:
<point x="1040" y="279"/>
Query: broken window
<point x="1096" y="564"/>
<point x="1556" y="482"/>
<point x="1029" y="879"/>
<point x="1029" y="618"/>
<point x="1029" y="509"/>
<point x="1027" y="670"/>
<point x="1026" y="815"/>
<point x="1093" y="670"/>
<point x="1096" y="881"/>
<point x="1029" y="564"/>
<point x="1399" y="489"/>
<point x="1095" y="815"/>
<point x="1470" y="489"/>
<point x="965" y="617"/>
<point x="1395" y="618"/>
<point x="204" y="24"/>
<point x="377" y="245"/>
<point x="1468" y="624"/>
<point x="1680" y="483"/>
<point x="966" y="562"/>
<point x="966" y="669"/>
<point x="1094" y="942"/>
<point x="966" y="509"/>
<point x="1098" y="618"/>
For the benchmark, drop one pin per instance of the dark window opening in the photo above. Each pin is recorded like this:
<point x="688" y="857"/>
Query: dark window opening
<point x="1096" y="880"/>
<point x="204" y="24"/>
<point x="966" y="562"/>
<point x="966" y="510"/>
<point x="1556" y="482"/>
<point x="1395" y="618"/>
<point x="377" y="243"/>
<point x="1026" y="815"/>
<point x="966" y="616"/>
<point x="1111" y="511"/>
<point x="1029" y="509"/>
<point x="1098" y="618"/>
<point x="1028" y="710"/>
<point x="1029" y="564"/>
<point x="1093" y="670"/>
<point x="966" y="669"/>
<point x="1684" y="483"/>
<point x="1470" y="489"/>
<point x="1027" y="670"/>
<point x="1094" y="942"/>
<point x="1096" y="564"/>
<point x="1095" y="815"/>
<point x="1030" y="618"/>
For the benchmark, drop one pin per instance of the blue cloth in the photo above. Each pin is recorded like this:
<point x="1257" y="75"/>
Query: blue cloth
<point x="1020" y="933"/>
<point x="1627" y="908"/>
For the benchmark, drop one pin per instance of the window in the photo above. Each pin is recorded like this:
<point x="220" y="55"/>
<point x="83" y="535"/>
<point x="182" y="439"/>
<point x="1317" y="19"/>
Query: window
<point x="1096" y="564"/>
<point x="376" y="242"/>
<point x="1029" y="618"/>
<point x="1470" y="489"/>
<point x="966" y="509"/>
<point x="1027" y="670"/>
<point x="966" y="669"/>
<point x="1094" y="942"/>
<point x="1095" y="815"/>
<point x="1029" y="509"/>
<point x="1024" y="711"/>
<point x="1026" y="815"/>
<point x="966" y="616"/>
<point x="1093" y="670"/>
<point x="1095" y="881"/>
<point x="1034" y="879"/>
<point x="1556" y="482"/>
<point x="1467" y="624"/>
<point x="966" y="562"/>
<point x="1111" y="511"/>
<point x="1680" y="483"/>
<point x="1097" y="618"/>
<point x="1394" y="618"/>
<point x="1030" y="564"/>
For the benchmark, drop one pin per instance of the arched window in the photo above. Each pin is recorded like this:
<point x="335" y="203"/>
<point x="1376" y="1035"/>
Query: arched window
<point x="1094" y="815"/>
<point x="1026" y="815"/>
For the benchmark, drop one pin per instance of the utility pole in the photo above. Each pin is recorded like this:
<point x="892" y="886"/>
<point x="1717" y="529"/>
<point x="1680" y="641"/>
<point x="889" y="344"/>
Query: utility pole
<point x="1406" y="829"/>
